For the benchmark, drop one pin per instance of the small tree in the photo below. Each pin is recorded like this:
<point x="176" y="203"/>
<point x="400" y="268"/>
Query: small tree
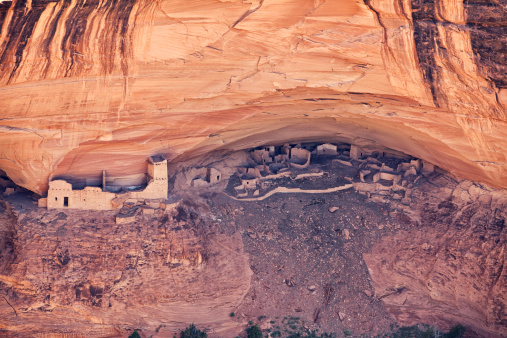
<point x="457" y="331"/>
<point x="253" y="332"/>
<point x="193" y="332"/>
<point x="135" y="334"/>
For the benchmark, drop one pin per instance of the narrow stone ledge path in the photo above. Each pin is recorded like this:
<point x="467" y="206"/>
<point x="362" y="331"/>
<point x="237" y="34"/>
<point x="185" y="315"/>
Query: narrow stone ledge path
<point x="295" y="190"/>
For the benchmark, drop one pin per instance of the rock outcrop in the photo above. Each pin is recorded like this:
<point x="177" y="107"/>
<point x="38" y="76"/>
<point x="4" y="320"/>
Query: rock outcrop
<point x="450" y="266"/>
<point x="93" y="85"/>
<point x="81" y="274"/>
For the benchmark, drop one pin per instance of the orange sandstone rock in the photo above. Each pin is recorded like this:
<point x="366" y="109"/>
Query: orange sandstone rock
<point x="93" y="85"/>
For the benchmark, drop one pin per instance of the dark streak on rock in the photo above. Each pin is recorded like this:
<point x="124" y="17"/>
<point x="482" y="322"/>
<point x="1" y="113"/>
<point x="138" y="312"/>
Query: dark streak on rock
<point x="426" y="40"/>
<point x="247" y="13"/>
<point x="4" y="8"/>
<point x="110" y="39"/>
<point x="117" y="14"/>
<point x="123" y="20"/>
<point x="488" y="22"/>
<point x="49" y="37"/>
<point x="21" y="27"/>
<point x="74" y="32"/>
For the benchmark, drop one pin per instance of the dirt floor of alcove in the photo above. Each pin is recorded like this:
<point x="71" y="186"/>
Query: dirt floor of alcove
<point x="308" y="270"/>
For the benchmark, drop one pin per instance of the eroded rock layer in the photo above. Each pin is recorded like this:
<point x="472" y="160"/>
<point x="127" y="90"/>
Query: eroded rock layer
<point x="99" y="85"/>
<point x="81" y="274"/>
<point x="450" y="266"/>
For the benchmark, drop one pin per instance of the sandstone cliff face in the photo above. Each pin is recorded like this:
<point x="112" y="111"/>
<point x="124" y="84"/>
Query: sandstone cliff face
<point x="83" y="275"/>
<point x="449" y="267"/>
<point x="92" y="85"/>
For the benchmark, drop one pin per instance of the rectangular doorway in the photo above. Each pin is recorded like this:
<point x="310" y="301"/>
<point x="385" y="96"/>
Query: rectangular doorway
<point x="65" y="201"/>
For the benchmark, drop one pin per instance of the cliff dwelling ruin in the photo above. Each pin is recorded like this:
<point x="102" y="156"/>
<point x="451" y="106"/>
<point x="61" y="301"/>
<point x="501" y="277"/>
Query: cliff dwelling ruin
<point x="291" y="168"/>
<point x="293" y="204"/>
<point x="61" y="195"/>
<point x="258" y="179"/>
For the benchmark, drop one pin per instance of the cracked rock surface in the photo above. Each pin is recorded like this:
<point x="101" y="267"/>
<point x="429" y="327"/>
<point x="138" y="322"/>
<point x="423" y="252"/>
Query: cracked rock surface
<point x="87" y="86"/>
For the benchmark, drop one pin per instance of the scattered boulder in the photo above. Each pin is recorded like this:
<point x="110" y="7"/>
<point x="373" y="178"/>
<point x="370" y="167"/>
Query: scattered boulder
<point x="368" y="292"/>
<point x="290" y="282"/>
<point x="346" y="233"/>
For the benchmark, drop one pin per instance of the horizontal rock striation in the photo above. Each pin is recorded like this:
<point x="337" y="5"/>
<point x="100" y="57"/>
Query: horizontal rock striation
<point x="87" y="86"/>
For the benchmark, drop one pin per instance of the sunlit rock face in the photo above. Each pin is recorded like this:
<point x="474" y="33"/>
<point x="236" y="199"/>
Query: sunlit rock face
<point x="97" y="85"/>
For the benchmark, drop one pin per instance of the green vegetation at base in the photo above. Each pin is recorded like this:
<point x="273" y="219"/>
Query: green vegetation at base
<point x="253" y="332"/>
<point x="426" y="331"/>
<point x="135" y="334"/>
<point x="290" y="327"/>
<point x="192" y="332"/>
<point x="457" y="331"/>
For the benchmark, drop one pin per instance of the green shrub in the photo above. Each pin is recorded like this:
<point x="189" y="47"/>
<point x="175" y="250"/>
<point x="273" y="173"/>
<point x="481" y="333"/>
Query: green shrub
<point x="314" y="334"/>
<point x="253" y="332"/>
<point x="457" y="331"/>
<point x="426" y="331"/>
<point x="193" y="332"/>
<point x="135" y="334"/>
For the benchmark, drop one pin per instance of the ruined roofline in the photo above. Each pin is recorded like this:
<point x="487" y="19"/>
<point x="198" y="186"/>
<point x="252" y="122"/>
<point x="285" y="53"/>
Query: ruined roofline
<point x="157" y="159"/>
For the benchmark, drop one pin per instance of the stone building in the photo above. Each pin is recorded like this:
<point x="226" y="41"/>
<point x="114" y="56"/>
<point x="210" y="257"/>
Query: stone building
<point x="213" y="176"/>
<point x="61" y="195"/>
<point x="356" y="152"/>
<point x="206" y="177"/>
<point x="157" y="180"/>
<point x="299" y="158"/>
<point x="327" y="149"/>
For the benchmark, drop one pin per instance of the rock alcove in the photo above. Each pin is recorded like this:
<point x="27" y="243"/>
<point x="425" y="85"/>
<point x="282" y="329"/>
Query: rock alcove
<point x="87" y="86"/>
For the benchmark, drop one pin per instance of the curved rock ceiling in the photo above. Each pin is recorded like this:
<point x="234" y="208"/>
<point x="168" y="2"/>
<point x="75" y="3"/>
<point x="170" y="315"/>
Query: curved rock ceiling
<point x="87" y="85"/>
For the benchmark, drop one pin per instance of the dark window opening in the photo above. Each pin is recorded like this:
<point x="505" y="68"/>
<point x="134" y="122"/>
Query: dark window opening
<point x="56" y="198"/>
<point x="65" y="201"/>
<point x="218" y="178"/>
